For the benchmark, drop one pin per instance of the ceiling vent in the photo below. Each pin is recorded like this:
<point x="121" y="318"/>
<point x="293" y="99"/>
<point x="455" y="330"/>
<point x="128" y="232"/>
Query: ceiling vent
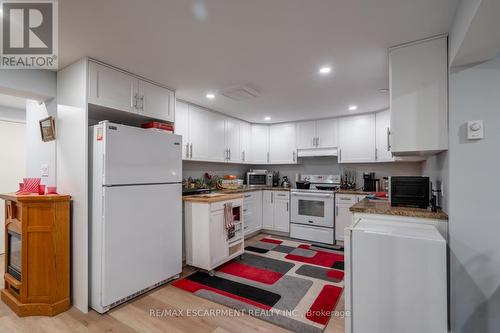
<point x="239" y="92"/>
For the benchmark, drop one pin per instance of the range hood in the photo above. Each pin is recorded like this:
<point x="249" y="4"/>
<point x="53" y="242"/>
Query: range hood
<point x="317" y="152"/>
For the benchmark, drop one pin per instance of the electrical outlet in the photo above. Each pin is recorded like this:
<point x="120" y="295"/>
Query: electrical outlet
<point x="44" y="170"/>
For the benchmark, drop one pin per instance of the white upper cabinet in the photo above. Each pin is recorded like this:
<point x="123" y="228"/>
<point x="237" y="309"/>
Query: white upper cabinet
<point x="382" y="129"/>
<point x="317" y="134"/>
<point x="260" y="144"/>
<point x="357" y="139"/>
<point x="282" y="144"/>
<point x="155" y="101"/>
<point x="198" y="134"/>
<point x="115" y="89"/>
<point x="327" y="133"/>
<point x="111" y="88"/>
<point x="216" y="137"/>
<point x="306" y="135"/>
<point x="232" y="138"/>
<point x="182" y="126"/>
<point x="419" y="97"/>
<point x="245" y="139"/>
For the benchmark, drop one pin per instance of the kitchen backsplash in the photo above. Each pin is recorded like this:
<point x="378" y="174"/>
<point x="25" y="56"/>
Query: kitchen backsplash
<point x="310" y="165"/>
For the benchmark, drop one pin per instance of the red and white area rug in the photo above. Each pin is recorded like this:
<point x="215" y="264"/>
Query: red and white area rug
<point x="291" y="284"/>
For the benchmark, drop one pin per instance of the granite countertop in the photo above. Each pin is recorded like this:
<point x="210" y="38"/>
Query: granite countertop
<point x="354" y="191"/>
<point x="384" y="207"/>
<point x="255" y="188"/>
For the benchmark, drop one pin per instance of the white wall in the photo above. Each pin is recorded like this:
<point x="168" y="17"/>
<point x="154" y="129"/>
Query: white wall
<point x="12" y="161"/>
<point x="36" y="84"/>
<point x="12" y="114"/>
<point x="436" y="168"/>
<point x="474" y="203"/>
<point x="37" y="151"/>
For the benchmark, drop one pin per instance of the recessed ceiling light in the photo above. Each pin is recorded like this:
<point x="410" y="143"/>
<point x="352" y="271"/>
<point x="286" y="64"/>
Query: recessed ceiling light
<point x="210" y="96"/>
<point x="383" y="91"/>
<point x="267" y="118"/>
<point x="353" y="107"/>
<point x="325" y="70"/>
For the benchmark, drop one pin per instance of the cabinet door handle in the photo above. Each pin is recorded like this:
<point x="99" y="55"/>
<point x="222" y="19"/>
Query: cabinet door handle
<point x="287" y="206"/>
<point x="294" y="157"/>
<point x="135" y="101"/>
<point x="229" y="152"/>
<point x="191" y="150"/>
<point x="388" y="139"/>
<point x="247" y="195"/>
<point x="267" y="157"/>
<point x="243" y="156"/>
<point x="336" y="210"/>
<point x="314" y="142"/>
<point x="340" y="155"/>
<point x="376" y="154"/>
<point x="317" y="141"/>
<point x="272" y="197"/>
<point x="187" y="150"/>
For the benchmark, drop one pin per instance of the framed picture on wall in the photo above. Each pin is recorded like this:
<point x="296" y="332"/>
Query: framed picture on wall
<point x="48" y="129"/>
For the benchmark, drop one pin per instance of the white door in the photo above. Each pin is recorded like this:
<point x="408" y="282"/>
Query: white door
<point x="268" y="210"/>
<point x="215" y="139"/>
<point x="139" y="156"/>
<point x="245" y="134"/>
<point x="219" y="249"/>
<point x="306" y="135"/>
<point x="357" y="139"/>
<point x="260" y="144"/>
<point x="156" y="102"/>
<point x="142" y="235"/>
<point x="182" y="126"/>
<point x="327" y="133"/>
<point x="282" y="144"/>
<point x="13" y="161"/>
<point x="232" y="134"/>
<point x="281" y="213"/>
<point x="382" y="128"/>
<point x="111" y="88"/>
<point x="198" y="133"/>
<point x="343" y="217"/>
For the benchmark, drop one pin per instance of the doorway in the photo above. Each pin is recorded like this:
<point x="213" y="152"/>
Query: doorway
<point x="12" y="151"/>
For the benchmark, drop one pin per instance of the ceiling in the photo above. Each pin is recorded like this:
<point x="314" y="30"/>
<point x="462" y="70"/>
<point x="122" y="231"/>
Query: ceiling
<point x="13" y="102"/>
<point x="276" y="47"/>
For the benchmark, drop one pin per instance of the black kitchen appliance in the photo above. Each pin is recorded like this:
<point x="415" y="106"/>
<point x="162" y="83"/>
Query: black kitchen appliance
<point x="302" y="185"/>
<point x="410" y="191"/>
<point x="370" y="184"/>
<point x="276" y="179"/>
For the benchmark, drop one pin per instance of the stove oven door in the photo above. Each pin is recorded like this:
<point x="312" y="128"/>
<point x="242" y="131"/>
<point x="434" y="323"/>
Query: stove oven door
<point x="316" y="209"/>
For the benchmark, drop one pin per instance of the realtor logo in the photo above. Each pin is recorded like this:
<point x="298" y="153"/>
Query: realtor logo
<point x="28" y="34"/>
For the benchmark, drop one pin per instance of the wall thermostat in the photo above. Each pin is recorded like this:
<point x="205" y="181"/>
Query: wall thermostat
<point x="475" y="130"/>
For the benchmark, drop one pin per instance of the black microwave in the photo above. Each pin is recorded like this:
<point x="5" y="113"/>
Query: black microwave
<point x="410" y="191"/>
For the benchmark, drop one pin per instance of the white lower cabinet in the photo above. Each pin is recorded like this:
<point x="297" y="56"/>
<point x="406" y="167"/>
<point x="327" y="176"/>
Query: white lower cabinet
<point x="343" y="216"/>
<point x="207" y="245"/>
<point x="252" y="211"/>
<point x="276" y="211"/>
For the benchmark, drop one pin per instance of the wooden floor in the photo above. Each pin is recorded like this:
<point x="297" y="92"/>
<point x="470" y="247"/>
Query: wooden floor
<point x="135" y="316"/>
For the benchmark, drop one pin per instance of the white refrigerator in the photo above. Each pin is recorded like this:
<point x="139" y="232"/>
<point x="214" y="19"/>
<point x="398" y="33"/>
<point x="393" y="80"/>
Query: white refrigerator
<point x="395" y="277"/>
<point x="135" y="181"/>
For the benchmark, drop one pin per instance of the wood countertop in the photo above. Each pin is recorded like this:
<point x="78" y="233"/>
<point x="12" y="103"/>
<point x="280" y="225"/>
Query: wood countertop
<point x="212" y="197"/>
<point x="384" y="207"/>
<point x="34" y="197"/>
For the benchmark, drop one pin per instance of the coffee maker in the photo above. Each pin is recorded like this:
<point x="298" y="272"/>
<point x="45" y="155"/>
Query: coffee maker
<point x="370" y="184"/>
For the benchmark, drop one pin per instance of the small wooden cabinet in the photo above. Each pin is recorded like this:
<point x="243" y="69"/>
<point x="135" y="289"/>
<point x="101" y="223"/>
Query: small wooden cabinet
<point x="37" y="258"/>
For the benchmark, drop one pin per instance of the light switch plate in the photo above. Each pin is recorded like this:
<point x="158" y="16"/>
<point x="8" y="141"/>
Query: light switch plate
<point x="475" y="130"/>
<point x="44" y="170"/>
